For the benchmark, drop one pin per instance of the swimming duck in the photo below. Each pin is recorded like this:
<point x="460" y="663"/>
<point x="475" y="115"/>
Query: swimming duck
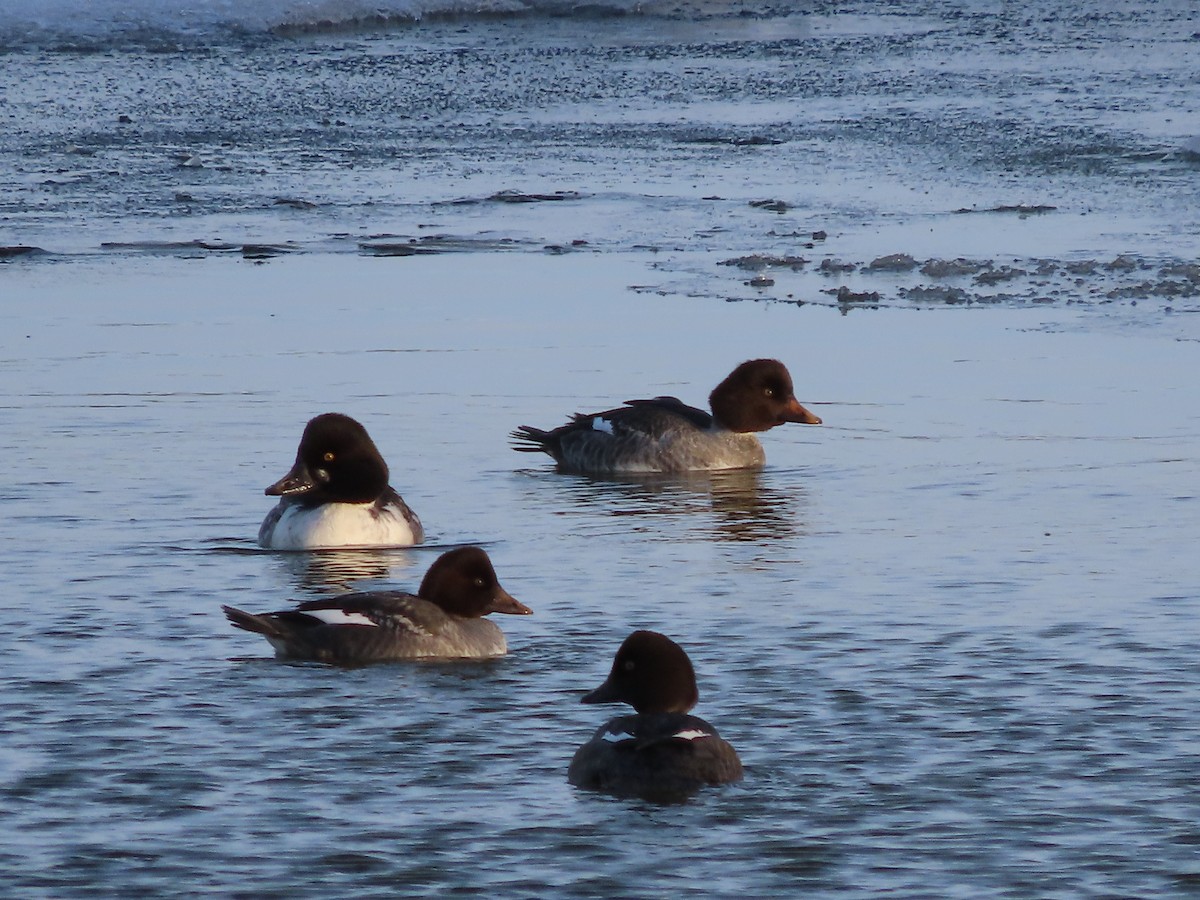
<point x="661" y="752"/>
<point x="665" y="435"/>
<point x="443" y="620"/>
<point x="337" y="494"/>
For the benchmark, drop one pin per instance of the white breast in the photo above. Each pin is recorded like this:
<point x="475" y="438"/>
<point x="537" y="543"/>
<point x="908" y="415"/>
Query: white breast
<point x="343" y="525"/>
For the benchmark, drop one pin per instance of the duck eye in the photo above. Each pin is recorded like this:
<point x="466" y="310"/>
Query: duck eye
<point x="479" y="582"/>
<point x="770" y="392"/>
<point x="329" y="456"/>
<point x="629" y="666"/>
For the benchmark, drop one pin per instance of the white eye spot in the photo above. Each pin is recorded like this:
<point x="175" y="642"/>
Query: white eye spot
<point x="615" y="737"/>
<point x="599" y="424"/>
<point x="339" y="617"/>
<point x="692" y="734"/>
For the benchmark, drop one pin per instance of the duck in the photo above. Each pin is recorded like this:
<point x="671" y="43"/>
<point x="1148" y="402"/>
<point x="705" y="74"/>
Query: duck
<point x="443" y="620"/>
<point x="661" y="752"/>
<point x="664" y="435"/>
<point x="337" y="494"/>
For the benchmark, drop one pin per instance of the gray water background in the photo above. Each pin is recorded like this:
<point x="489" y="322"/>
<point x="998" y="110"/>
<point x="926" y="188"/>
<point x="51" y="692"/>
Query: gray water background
<point x="952" y="632"/>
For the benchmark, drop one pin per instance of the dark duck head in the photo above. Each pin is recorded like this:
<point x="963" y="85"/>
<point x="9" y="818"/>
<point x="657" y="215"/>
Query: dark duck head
<point x="652" y="674"/>
<point x="757" y="396"/>
<point x="337" y="462"/>
<point x="462" y="582"/>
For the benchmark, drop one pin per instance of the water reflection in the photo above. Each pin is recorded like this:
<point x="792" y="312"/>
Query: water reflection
<point x="745" y="509"/>
<point x="339" y="571"/>
<point x="743" y="505"/>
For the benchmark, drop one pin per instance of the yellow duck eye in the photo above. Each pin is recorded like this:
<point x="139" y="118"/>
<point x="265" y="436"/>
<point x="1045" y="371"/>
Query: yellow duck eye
<point x="329" y="456"/>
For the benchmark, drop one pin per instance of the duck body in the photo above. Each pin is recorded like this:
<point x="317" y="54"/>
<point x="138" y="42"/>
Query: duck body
<point x="654" y="755"/>
<point x="665" y="435"/>
<point x="662" y="435"/>
<point x="444" y="620"/>
<point x="369" y="627"/>
<point x="295" y="524"/>
<point x="662" y="752"/>
<point x="337" y="495"/>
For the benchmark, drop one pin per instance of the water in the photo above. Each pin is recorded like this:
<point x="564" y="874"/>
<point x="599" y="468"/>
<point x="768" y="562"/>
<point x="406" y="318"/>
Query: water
<point x="951" y="631"/>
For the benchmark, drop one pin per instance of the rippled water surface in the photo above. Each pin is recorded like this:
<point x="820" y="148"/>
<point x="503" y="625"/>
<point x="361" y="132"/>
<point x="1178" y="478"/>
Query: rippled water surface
<point x="952" y="632"/>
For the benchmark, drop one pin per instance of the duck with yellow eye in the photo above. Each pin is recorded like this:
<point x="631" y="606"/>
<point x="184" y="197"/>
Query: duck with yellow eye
<point x="337" y="495"/>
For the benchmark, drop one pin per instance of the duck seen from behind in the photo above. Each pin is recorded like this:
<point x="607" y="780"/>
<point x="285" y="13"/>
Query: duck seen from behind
<point x="661" y="752"/>
<point x="443" y="620"/>
<point x="337" y="494"/>
<point x="664" y="435"/>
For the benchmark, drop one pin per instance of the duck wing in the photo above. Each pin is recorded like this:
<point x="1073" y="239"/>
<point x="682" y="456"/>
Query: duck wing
<point x="632" y="437"/>
<point x="656" y="415"/>
<point x="395" y="610"/>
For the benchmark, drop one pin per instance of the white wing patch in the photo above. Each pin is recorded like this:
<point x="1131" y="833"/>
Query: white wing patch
<point x="691" y="734"/>
<point x="599" y="424"/>
<point x="339" y="617"/>
<point x="616" y="737"/>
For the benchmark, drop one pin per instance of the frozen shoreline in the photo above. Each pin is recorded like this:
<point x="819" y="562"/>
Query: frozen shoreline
<point x="874" y="129"/>
<point x="1130" y="289"/>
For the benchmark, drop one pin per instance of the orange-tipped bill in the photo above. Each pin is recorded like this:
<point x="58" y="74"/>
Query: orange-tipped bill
<point x="794" y="412"/>
<point x="504" y="602"/>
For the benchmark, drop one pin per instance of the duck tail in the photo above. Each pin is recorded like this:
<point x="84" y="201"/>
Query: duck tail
<point x="528" y="439"/>
<point x="250" y="622"/>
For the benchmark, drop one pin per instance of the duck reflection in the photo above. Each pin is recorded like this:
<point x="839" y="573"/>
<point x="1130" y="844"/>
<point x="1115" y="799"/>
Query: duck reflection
<point x="324" y="571"/>
<point x="738" y="505"/>
<point x="746" y="509"/>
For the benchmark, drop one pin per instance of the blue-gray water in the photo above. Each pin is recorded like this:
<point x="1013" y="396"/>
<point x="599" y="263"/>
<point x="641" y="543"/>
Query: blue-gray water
<point x="952" y="632"/>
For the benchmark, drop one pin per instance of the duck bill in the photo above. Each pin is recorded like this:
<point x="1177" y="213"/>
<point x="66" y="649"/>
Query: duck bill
<point x="504" y="602"/>
<point x="794" y="412"/>
<point x="298" y="481"/>
<point x="606" y="693"/>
